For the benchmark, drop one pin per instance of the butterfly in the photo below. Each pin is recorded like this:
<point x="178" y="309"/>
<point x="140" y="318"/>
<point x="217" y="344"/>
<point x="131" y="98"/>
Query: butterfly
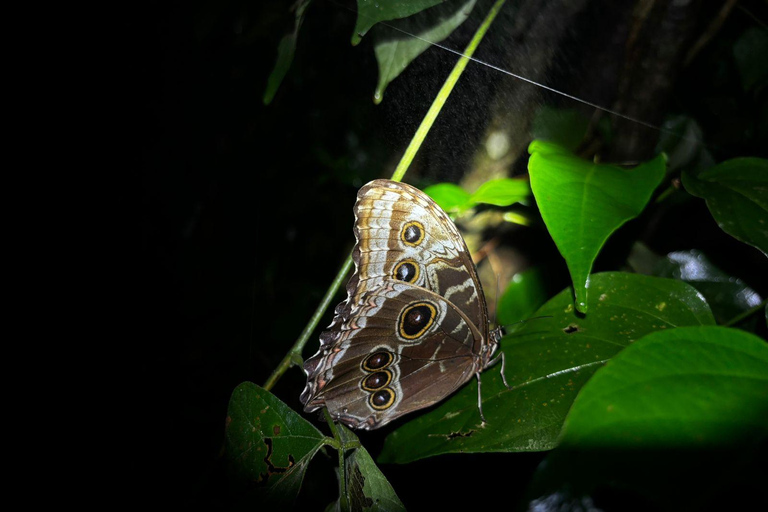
<point x="414" y="326"/>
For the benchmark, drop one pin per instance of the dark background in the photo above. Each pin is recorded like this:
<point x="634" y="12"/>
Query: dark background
<point x="237" y="217"/>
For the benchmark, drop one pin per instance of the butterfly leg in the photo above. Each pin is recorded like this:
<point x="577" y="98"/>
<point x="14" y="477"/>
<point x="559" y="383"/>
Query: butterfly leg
<point x="503" y="367"/>
<point x="480" y="398"/>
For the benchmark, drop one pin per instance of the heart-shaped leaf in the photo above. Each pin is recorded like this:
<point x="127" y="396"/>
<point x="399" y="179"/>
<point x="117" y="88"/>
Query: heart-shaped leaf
<point x="548" y="360"/>
<point x="669" y="418"/>
<point x="397" y="45"/>
<point x="583" y="203"/>
<point x="268" y="444"/>
<point x="736" y="192"/>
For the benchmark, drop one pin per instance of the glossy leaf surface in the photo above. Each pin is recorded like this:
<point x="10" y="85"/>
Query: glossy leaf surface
<point x="548" y="360"/>
<point x="690" y="402"/>
<point x="736" y="192"/>
<point x="583" y="203"/>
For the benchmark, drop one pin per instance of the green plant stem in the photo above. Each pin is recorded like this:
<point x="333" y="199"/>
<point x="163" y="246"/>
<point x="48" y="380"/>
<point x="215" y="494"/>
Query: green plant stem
<point x="294" y="355"/>
<point x="668" y="192"/>
<point x="343" y="502"/>
<point x="738" y="318"/>
<point x="445" y="91"/>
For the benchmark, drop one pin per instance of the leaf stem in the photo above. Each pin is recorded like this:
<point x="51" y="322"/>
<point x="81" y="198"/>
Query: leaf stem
<point x="294" y="355"/>
<point x="343" y="501"/>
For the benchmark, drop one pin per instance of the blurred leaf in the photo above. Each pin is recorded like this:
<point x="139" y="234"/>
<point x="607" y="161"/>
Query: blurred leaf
<point x="548" y="360"/>
<point x="681" y="139"/>
<point x="750" y="53"/>
<point x="285" y="51"/>
<point x="268" y="444"/>
<point x="397" y="45"/>
<point x="370" y="12"/>
<point x="562" y="126"/>
<point x="448" y="196"/>
<point x="669" y="418"/>
<point x="583" y="203"/>
<point x="728" y="296"/>
<point x="524" y="295"/>
<point x="367" y="488"/>
<point x="502" y="192"/>
<point x="736" y="192"/>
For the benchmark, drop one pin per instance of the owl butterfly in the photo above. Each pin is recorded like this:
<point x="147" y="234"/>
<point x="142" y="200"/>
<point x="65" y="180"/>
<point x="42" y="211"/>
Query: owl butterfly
<point x="414" y="326"/>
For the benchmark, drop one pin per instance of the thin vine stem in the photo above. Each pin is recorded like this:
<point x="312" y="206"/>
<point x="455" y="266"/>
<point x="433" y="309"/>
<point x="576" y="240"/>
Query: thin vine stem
<point x="738" y="318"/>
<point x="445" y="91"/>
<point x="294" y="354"/>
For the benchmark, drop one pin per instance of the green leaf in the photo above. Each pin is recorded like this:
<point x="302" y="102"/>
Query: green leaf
<point x="548" y="360"/>
<point x="583" y="203"/>
<point x="690" y="386"/>
<point x="681" y="140"/>
<point x="523" y="296"/>
<point x="562" y="126"/>
<point x="669" y="419"/>
<point x="370" y="12"/>
<point x="448" y="196"/>
<point x="399" y="44"/>
<point x="736" y="192"/>
<point x="285" y="51"/>
<point x="728" y="296"/>
<point x="268" y="444"/>
<point x="502" y="192"/>
<point x="366" y="486"/>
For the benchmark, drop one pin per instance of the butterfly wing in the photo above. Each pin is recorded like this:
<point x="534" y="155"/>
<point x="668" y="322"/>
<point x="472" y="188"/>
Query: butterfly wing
<point x="408" y="250"/>
<point x="404" y="235"/>
<point x="403" y="348"/>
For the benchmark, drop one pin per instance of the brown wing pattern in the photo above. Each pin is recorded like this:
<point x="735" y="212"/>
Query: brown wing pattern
<point x="414" y="325"/>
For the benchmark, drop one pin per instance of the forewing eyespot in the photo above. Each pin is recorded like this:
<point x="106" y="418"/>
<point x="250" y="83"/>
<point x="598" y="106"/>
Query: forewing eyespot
<point x="412" y="233"/>
<point x="407" y="270"/>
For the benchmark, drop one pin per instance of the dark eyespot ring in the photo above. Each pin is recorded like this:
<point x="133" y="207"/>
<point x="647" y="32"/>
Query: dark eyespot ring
<point x="377" y="380"/>
<point x="407" y="270"/>
<point x="415" y="319"/>
<point x="382" y="399"/>
<point x="377" y="361"/>
<point x="412" y="233"/>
